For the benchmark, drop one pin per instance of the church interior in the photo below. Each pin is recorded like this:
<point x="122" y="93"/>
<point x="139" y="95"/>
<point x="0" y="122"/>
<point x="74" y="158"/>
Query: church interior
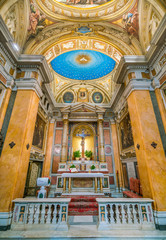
<point x="82" y="119"/>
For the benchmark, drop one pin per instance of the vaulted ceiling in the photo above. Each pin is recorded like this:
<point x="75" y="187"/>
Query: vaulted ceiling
<point x="62" y="28"/>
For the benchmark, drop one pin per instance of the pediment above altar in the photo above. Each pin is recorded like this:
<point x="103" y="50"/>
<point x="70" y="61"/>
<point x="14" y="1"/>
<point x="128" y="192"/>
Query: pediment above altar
<point x="83" y="111"/>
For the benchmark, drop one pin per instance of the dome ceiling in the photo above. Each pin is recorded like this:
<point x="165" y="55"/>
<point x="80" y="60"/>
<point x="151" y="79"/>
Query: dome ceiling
<point x="83" y="64"/>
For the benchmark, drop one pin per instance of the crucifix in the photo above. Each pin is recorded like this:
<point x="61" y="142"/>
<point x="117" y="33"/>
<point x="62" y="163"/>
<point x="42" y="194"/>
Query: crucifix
<point x="83" y="135"/>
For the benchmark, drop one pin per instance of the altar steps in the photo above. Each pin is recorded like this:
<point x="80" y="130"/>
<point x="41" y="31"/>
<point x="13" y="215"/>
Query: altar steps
<point x="83" y="206"/>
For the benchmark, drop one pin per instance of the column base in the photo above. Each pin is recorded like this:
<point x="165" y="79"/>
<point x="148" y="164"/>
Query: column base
<point x="160" y="219"/>
<point x="63" y="226"/>
<point x="103" y="226"/>
<point x="5" y="220"/>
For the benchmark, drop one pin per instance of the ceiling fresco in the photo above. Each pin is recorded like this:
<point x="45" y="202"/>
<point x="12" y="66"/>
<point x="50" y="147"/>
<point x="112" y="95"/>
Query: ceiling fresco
<point x="83" y="3"/>
<point x="83" y="64"/>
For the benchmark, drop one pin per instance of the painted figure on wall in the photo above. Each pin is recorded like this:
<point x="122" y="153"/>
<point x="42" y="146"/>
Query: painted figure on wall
<point x="131" y="23"/>
<point x="126" y="133"/>
<point x="38" y="137"/>
<point x="36" y="21"/>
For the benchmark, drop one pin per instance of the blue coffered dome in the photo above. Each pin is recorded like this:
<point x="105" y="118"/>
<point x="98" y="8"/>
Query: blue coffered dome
<point x="83" y="64"/>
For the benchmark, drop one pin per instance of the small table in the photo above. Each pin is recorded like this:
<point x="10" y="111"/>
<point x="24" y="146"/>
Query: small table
<point x="82" y="175"/>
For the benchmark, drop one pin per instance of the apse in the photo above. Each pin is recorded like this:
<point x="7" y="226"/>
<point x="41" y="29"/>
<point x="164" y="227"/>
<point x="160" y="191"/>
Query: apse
<point x="83" y="64"/>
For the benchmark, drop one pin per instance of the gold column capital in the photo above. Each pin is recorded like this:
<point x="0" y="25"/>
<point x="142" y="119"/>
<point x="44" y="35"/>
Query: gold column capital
<point x="65" y="116"/>
<point x="100" y="117"/>
<point x="65" y="121"/>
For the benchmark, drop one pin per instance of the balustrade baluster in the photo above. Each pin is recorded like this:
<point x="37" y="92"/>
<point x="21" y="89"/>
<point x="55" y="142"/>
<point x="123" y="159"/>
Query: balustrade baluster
<point x="36" y="213"/>
<point x="117" y="214"/>
<point x="131" y="211"/>
<point x="31" y="214"/>
<point x="129" y="214"/>
<point x="108" y="218"/>
<point x="48" y="218"/>
<point x="54" y="214"/>
<point x="112" y="214"/>
<point x="26" y="214"/>
<point x="58" y="213"/>
<point x="123" y="214"/>
<point x="42" y="218"/>
<point x="135" y="214"/>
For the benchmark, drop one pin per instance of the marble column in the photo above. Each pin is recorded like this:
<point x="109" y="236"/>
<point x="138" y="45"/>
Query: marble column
<point x="149" y="149"/>
<point x="47" y="160"/>
<point x="64" y="185"/>
<point x="101" y="185"/>
<point x="65" y="138"/>
<point x="16" y="150"/>
<point x="69" y="184"/>
<point x="116" y="152"/>
<point x="101" y="138"/>
<point x="95" y="184"/>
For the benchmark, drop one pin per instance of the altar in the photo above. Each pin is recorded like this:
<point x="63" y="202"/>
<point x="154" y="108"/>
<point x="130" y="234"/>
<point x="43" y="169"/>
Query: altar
<point x="82" y="180"/>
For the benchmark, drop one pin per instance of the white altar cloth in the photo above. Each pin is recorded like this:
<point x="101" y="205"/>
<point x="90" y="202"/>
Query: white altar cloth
<point x="82" y="175"/>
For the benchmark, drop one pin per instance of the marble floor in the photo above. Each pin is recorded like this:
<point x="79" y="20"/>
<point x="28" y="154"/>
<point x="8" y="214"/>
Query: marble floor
<point x="81" y="232"/>
<point x="84" y="228"/>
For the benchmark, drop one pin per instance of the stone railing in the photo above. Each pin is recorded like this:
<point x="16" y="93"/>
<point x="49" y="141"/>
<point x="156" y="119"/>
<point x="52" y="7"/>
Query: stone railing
<point x="42" y="214"/>
<point x="120" y="213"/>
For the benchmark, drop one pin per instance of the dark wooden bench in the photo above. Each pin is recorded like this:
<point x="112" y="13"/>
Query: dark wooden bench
<point x="135" y="189"/>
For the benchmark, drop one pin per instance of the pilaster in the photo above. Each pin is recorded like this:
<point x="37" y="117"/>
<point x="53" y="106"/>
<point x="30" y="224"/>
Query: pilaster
<point x="65" y="137"/>
<point x="47" y="160"/>
<point x="16" y="149"/>
<point x="118" y="165"/>
<point x="149" y="148"/>
<point x="101" y="137"/>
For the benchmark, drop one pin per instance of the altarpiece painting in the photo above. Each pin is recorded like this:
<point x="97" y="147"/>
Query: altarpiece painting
<point x="39" y="133"/>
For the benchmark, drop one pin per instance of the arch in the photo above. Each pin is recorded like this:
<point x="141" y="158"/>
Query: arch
<point x="147" y="9"/>
<point x="71" y="138"/>
<point x="94" y="85"/>
<point x="56" y="34"/>
<point x="20" y="19"/>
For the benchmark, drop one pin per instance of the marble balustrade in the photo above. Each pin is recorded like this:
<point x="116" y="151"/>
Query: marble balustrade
<point x="40" y="214"/>
<point x="52" y="214"/>
<point x="125" y="213"/>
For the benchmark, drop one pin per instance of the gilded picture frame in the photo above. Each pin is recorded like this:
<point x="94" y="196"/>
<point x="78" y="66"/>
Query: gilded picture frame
<point x="125" y="135"/>
<point x="40" y="133"/>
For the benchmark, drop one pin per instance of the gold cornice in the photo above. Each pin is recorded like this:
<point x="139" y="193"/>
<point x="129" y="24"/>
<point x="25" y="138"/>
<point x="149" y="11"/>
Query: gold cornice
<point x="83" y="37"/>
<point x="81" y="11"/>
